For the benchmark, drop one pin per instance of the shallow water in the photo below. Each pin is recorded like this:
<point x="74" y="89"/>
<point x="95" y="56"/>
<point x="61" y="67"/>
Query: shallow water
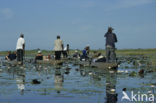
<point x="72" y="84"/>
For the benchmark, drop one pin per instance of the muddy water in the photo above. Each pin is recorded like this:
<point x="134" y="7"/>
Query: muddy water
<point x="72" y="84"/>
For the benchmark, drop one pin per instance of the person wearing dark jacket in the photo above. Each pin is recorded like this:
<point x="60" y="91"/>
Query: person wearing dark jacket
<point x="111" y="39"/>
<point x="11" y="56"/>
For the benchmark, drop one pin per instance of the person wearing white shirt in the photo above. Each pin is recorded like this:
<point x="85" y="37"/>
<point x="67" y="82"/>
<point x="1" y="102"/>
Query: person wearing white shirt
<point x="20" y="48"/>
<point x="66" y="51"/>
<point x="58" y="48"/>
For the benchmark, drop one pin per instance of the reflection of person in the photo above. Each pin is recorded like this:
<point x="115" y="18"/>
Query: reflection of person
<point x="20" y="48"/>
<point x="111" y="88"/>
<point x="111" y="39"/>
<point x="20" y="83"/>
<point x="58" y="47"/>
<point x="58" y="80"/>
<point x="11" y="56"/>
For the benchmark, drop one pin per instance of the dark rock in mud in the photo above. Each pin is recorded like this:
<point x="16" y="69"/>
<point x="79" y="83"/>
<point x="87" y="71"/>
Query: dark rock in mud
<point x="77" y="69"/>
<point x="141" y="71"/>
<point x="75" y="64"/>
<point x="149" y="71"/>
<point x="35" y="81"/>
<point x="93" y="66"/>
<point x="61" y="63"/>
<point x="124" y="89"/>
<point x="66" y="72"/>
<point x="81" y="65"/>
<point x="48" y="77"/>
<point x="68" y="68"/>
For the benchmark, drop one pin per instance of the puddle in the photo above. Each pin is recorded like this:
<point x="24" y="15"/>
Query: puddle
<point x="73" y="84"/>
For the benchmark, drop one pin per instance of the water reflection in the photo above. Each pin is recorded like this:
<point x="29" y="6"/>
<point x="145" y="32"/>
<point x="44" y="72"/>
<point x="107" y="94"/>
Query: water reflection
<point x="20" y="79"/>
<point x="68" y="80"/>
<point x="58" y="80"/>
<point x="111" y="94"/>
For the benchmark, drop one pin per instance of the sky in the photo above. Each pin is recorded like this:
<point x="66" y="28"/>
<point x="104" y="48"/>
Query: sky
<point x="78" y="22"/>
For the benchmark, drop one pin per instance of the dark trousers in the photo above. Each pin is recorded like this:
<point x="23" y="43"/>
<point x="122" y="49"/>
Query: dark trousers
<point x="110" y="54"/>
<point x="20" y="54"/>
<point x="58" y="55"/>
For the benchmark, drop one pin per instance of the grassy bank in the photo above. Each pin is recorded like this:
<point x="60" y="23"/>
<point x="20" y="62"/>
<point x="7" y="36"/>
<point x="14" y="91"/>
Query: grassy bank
<point x="126" y="52"/>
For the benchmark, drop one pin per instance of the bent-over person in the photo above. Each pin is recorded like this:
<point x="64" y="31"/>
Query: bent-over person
<point x="11" y="56"/>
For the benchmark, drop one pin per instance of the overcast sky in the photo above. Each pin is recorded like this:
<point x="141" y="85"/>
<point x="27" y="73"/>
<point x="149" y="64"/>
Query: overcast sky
<point x="78" y="22"/>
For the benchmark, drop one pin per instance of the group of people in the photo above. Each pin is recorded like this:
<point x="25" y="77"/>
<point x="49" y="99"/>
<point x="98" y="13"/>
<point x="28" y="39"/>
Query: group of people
<point x="111" y="39"/>
<point x="59" y="49"/>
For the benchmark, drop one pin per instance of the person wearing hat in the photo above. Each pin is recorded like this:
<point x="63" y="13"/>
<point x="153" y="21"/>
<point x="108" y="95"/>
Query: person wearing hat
<point x="85" y="53"/>
<point x="66" y="51"/>
<point x="111" y="39"/>
<point x="20" y="47"/>
<point x="88" y="49"/>
<point x="76" y="54"/>
<point x="58" y="48"/>
<point x="39" y="56"/>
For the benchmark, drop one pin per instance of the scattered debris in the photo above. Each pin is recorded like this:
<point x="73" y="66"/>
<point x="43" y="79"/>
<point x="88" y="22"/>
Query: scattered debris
<point x="90" y="73"/>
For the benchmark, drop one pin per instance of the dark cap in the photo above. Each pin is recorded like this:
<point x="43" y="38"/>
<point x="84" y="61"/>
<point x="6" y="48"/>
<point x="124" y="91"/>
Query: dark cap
<point x="22" y="35"/>
<point x="58" y="36"/>
<point x="110" y="28"/>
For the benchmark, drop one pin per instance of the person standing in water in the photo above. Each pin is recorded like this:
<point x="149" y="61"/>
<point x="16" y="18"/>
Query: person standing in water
<point x="111" y="39"/>
<point x="20" y="47"/>
<point x="58" y="47"/>
<point x="66" y="51"/>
